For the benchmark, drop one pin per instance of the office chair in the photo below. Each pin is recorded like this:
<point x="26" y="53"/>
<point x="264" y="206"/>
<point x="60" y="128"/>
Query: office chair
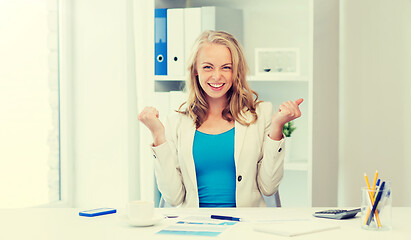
<point x="163" y="203"/>
<point x="273" y="200"/>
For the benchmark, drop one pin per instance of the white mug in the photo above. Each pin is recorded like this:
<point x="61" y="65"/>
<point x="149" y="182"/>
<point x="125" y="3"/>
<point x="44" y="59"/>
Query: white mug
<point x="140" y="210"/>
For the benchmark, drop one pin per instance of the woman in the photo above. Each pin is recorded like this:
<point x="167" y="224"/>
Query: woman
<point x="225" y="148"/>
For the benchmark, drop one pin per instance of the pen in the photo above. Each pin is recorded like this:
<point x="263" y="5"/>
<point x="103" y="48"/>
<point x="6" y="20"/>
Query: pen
<point x="225" y="218"/>
<point x="372" y="202"/>
<point x="378" y="182"/>
<point x="374" y="207"/>
<point x="375" y="181"/>
<point x="369" y="210"/>
<point x="377" y="190"/>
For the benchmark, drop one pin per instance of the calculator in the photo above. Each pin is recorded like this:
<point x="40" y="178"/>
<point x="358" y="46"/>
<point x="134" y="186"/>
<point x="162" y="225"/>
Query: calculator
<point x="337" y="213"/>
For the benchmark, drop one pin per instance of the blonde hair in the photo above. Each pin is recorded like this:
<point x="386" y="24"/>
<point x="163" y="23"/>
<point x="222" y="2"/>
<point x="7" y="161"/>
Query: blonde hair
<point x="240" y="97"/>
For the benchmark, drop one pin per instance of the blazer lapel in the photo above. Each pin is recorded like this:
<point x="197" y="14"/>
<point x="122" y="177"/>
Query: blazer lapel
<point x="188" y="131"/>
<point x="240" y="132"/>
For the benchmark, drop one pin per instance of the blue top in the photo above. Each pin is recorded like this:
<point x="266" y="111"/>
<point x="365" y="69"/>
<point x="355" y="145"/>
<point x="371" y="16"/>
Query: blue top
<point x="215" y="168"/>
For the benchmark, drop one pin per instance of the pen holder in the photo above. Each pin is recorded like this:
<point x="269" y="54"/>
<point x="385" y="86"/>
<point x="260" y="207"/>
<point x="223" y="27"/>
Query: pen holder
<point x="381" y="202"/>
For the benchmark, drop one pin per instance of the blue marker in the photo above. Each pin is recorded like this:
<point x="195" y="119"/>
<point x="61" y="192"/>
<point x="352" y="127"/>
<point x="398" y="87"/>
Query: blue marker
<point x="225" y="218"/>
<point x="377" y="200"/>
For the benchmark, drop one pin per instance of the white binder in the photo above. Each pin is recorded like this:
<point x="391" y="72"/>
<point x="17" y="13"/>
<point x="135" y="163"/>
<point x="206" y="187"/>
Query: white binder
<point x="208" y="18"/>
<point x="175" y="42"/>
<point x="184" y="25"/>
<point x="192" y="29"/>
<point x="223" y="19"/>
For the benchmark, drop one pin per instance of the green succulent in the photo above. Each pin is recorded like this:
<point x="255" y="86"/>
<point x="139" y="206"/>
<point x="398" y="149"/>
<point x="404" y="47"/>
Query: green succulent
<point x="288" y="129"/>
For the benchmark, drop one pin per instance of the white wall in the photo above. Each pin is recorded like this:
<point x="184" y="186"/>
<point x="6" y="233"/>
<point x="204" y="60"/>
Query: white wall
<point x="375" y="94"/>
<point x="105" y="108"/>
<point x="28" y="90"/>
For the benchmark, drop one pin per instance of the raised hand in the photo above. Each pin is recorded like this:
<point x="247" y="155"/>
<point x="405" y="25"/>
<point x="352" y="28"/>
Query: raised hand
<point x="150" y="118"/>
<point x="287" y="112"/>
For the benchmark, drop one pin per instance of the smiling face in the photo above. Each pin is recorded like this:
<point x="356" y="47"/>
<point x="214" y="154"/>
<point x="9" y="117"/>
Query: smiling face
<point x="215" y="71"/>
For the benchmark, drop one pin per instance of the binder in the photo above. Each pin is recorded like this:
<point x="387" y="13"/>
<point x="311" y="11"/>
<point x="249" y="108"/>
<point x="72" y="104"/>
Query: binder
<point x="223" y="19"/>
<point x="176" y="29"/>
<point x="208" y="18"/>
<point x="160" y="37"/>
<point x="175" y="42"/>
<point x="192" y="29"/>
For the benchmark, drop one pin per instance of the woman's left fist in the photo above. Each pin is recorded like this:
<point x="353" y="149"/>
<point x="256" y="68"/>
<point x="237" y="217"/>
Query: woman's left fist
<point x="287" y="112"/>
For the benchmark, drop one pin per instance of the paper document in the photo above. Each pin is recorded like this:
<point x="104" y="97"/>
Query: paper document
<point x="291" y="215"/>
<point x="272" y="219"/>
<point x="294" y="228"/>
<point x="197" y="226"/>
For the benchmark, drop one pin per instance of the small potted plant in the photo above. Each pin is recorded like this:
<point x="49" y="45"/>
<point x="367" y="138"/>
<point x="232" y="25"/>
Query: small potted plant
<point x="288" y="129"/>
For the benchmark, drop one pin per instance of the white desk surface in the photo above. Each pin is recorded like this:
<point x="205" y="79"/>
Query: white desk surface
<point x="64" y="223"/>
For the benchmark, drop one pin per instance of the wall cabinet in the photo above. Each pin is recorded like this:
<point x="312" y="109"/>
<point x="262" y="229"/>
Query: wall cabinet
<point x="310" y="177"/>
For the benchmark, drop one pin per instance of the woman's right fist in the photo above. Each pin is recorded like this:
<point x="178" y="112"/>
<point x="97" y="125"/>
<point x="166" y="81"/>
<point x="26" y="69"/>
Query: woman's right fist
<point x="149" y="117"/>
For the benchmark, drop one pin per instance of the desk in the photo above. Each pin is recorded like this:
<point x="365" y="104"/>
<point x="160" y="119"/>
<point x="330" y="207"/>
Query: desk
<point x="64" y="223"/>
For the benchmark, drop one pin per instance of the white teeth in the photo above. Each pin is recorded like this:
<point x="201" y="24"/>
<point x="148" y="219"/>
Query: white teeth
<point x="216" y="85"/>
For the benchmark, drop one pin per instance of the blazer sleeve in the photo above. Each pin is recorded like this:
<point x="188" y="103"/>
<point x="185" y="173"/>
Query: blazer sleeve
<point x="166" y="165"/>
<point x="270" y="167"/>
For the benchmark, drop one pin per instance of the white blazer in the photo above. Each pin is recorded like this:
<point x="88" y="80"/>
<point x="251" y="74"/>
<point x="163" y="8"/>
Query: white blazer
<point x="259" y="161"/>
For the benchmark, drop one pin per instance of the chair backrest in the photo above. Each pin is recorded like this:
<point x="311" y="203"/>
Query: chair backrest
<point x="271" y="201"/>
<point x="163" y="203"/>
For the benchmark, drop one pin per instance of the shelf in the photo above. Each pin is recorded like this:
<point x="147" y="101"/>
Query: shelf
<point x="169" y="78"/>
<point x="273" y="78"/>
<point x="253" y="78"/>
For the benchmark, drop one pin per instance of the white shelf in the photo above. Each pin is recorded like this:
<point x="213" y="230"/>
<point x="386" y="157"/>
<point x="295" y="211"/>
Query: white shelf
<point x="169" y="78"/>
<point x="268" y="78"/>
<point x="273" y="78"/>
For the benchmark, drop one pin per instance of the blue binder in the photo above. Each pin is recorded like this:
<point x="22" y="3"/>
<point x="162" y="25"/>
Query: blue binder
<point x="160" y="36"/>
